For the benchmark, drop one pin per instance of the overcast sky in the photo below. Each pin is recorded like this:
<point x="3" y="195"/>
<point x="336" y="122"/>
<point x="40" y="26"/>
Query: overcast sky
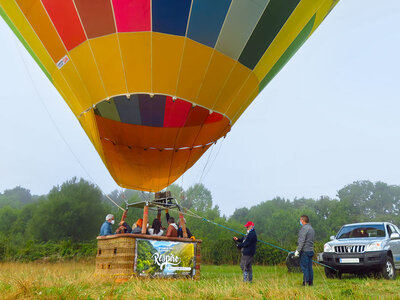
<point x="330" y="117"/>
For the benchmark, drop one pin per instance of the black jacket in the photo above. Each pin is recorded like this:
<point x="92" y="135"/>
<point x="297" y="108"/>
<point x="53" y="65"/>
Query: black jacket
<point x="180" y="232"/>
<point x="248" y="243"/>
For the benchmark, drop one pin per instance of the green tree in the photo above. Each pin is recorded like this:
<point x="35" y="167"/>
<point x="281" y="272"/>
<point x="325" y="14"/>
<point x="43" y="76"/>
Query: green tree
<point x="73" y="210"/>
<point x="240" y="215"/>
<point x="198" y="197"/>
<point x="8" y="216"/>
<point x="354" y="198"/>
<point x="177" y="192"/>
<point x="16" y="197"/>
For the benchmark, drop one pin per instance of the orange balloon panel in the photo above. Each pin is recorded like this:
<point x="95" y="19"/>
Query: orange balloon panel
<point x="151" y="169"/>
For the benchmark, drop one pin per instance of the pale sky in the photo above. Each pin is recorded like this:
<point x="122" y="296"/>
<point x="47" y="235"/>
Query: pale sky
<point x="330" y="117"/>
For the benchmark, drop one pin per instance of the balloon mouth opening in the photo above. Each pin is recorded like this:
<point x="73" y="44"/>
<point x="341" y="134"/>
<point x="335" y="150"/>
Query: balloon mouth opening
<point x="156" y="110"/>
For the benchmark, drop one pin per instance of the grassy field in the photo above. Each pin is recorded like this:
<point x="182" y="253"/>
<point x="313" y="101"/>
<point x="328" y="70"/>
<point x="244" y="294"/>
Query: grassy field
<point x="75" y="280"/>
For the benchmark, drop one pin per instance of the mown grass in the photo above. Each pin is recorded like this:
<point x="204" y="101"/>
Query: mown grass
<point x="75" y="280"/>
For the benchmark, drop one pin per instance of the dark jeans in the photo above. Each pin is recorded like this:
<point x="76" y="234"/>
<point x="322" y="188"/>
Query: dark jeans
<point x="245" y="265"/>
<point x="306" y="266"/>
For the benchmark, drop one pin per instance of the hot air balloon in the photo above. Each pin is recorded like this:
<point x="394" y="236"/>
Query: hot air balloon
<point x="154" y="83"/>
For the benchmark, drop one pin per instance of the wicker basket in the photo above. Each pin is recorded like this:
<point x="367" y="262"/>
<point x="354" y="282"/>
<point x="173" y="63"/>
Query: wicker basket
<point x="116" y="255"/>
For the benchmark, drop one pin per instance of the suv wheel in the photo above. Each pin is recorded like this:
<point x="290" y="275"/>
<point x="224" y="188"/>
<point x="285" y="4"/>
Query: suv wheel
<point x="331" y="273"/>
<point x="388" y="271"/>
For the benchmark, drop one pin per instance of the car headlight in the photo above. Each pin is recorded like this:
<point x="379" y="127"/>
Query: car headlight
<point x="376" y="246"/>
<point x="328" y="248"/>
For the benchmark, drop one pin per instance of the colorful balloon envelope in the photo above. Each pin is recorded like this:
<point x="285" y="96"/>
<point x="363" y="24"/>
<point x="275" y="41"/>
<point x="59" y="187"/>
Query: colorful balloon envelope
<point x="154" y="83"/>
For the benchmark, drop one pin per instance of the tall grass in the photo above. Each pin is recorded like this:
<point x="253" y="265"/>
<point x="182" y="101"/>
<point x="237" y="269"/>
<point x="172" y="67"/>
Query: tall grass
<point x="75" y="280"/>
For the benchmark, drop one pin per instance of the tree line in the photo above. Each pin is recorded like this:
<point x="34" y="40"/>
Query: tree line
<point x="64" y="223"/>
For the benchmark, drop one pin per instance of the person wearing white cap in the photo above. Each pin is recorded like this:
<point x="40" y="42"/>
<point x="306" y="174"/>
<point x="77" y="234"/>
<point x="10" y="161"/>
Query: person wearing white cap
<point x="247" y="244"/>
<point x="106" y="227"/>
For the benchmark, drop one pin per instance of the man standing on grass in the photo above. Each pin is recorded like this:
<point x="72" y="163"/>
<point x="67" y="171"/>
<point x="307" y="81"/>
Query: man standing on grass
<point x="247" y="244"/>
<point x="305" y="245"/>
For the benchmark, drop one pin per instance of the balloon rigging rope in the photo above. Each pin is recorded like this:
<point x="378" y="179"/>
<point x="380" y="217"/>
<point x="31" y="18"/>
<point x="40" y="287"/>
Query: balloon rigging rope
<point x="203" y="175"/>
<point x="261" y="241"/>
<point x="57" y="129"/>
<point x="215" y="157"/>
<point x="205" y="165"/>
<point x="204" y="168"/>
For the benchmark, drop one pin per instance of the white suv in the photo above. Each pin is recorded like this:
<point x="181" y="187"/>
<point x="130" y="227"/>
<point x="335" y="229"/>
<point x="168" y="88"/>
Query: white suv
<point x="363" y="248"/>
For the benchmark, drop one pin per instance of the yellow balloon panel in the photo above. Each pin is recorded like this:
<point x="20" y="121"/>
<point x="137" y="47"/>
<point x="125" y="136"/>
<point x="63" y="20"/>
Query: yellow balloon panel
<point x="232" y="86"/>
<point x="107" y="54"/>
<point x="219" y="69"/>
<point x="82" y="57"/>
<point x="195" y="61"/>
<point x="136" y="54"/>
<point x="78" y="87"/>
<point x="166" y="60"/>
<point x="249" y="87"/>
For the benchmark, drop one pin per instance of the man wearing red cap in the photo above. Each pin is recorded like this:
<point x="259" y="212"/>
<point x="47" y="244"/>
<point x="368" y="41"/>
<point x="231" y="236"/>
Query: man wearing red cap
<point x="247" y="244"/>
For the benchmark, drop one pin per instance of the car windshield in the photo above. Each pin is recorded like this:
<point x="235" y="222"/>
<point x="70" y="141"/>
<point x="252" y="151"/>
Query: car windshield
<point x="361" y="231"/>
